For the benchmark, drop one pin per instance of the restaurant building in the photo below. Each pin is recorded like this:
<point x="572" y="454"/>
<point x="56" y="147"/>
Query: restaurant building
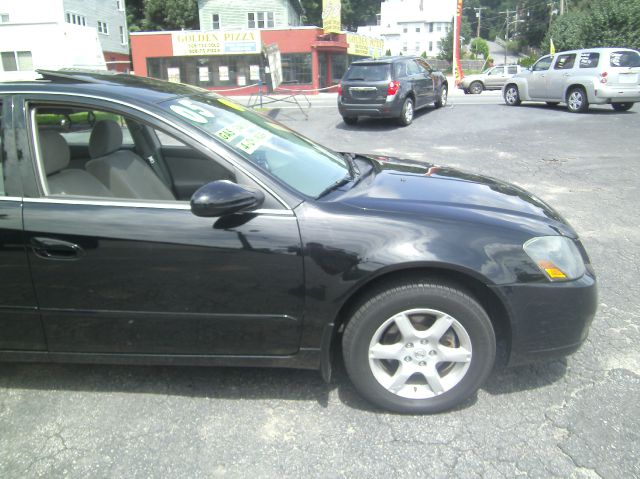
<point x="234" y="61"/>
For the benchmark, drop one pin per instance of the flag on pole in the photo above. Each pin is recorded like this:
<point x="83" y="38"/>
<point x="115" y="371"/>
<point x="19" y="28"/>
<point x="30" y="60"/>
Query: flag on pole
<point x="552" y="47"/>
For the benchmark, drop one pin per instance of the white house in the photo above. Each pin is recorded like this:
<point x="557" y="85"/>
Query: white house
<point x="412" y="27"/>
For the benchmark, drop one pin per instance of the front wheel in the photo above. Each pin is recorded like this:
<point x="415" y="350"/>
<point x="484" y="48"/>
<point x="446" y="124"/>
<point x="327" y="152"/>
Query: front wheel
<point x="476" y="88"/>
<point x="419" y="347"/>
<point x="442" y="98"/>
<point x="406" y="114"/>
<point x="621" y="106"/>
<point x="512" y="95"/>
<point x="577" y="101"/>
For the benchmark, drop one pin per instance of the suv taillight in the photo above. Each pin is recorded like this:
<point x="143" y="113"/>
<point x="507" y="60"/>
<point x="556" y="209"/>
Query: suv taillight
<point x="603" y="77"/>
<point x="393" y="87"/>
<point x="339" y="89"/>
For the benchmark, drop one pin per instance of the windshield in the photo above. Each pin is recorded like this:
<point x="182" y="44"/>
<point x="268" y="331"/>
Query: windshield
<point x="297" y="161"/>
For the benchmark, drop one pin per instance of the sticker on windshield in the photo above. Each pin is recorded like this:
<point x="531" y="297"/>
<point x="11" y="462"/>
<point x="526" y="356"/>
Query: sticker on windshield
<point x="253" y="141"/>
<point x="230" y="104"/>
<point x="231" y="132"/>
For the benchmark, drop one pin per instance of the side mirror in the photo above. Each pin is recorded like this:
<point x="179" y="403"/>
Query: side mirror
<point x="224" y="197"/>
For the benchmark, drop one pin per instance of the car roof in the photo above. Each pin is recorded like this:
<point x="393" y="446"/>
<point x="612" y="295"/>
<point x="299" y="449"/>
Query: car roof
<point x="369" y="61"/>
<point x="117" y="85"/>
<point x="597" y="50"/>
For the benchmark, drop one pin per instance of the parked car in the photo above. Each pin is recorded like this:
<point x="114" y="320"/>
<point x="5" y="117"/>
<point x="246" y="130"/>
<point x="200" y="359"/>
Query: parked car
<point x="492" y="78"/>
<point x="147" y="222"/>
<point x="580" y="78"/>
<point x="390" y="87"/>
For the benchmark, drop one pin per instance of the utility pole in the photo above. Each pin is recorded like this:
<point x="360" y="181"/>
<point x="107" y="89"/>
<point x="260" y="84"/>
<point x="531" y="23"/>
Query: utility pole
<point x="479" y="17"/>
<point x="506" y="35"/>
<point x="561" y="7"/>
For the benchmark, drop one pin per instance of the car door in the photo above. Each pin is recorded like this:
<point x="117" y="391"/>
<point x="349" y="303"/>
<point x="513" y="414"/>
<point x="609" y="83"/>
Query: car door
<point x="537" y="81"/>
<point x="495" y="78"/>
<point x="20" y="326"/>
<point x="559" y="76"/>
<point x="116" y="275"/>
<point x="422" y="81"/>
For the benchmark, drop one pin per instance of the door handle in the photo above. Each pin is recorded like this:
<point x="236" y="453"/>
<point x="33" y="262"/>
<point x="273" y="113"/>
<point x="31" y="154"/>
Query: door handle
<point x="565" y="75"/>
<point x="51" y="248"/>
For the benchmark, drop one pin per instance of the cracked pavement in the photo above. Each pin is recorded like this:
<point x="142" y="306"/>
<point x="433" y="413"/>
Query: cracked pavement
<point x="578" y="417"/>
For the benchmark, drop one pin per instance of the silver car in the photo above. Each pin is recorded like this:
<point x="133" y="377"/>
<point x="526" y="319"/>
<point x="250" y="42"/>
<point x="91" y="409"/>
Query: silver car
<point x="492" y="78"/>
<point x="580" y="78"/>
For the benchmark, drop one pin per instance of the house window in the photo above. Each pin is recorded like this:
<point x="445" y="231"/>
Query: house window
<point x="431" y="28"/>
<point x="417" y="46"/>
<point x="75" y="19"/>
<point x="123" y="36"/>
<point x="439" y="27"/>
<point x="417" y="29"/>
<point x="16" y="61"/>
<point x="4" y="18"/>
<point x="404" y="30"/>
<point x="103" y="28"/>
<point x="119" y="5"/>
<point x="215" y="21"/>
<point x="260" y="20"/>
<point x="439" y="45"/>
<point x="430" y="46"/>
<point x="404" y="47"/>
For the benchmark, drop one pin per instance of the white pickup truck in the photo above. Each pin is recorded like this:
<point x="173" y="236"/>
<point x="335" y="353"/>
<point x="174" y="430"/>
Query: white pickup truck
<point x="492" y="78"/>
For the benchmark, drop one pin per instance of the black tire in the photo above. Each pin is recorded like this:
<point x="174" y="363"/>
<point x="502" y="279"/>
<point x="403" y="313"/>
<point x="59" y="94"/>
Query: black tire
<point x="387" y="305"/>
<point x="466" y="91"/>
<point x="350" y="120"/>
<point x="442" y="97"/>
<point x="552" y="103"/>
<point x="621" y="106"/>
<point x="511" y="95"/>
<point x="476" y="88"/>
<point x="407" y="112"/>
<point x="577" y="101"/>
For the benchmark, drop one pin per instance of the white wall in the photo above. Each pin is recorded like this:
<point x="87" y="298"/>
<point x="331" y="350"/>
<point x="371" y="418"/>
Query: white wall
<point x="33" y="11"/>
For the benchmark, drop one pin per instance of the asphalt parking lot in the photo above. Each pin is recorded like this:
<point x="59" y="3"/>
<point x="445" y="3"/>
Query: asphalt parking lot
<point x="578" y="417"/>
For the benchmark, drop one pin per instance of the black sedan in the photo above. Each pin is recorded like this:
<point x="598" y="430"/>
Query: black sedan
<point x="156" y="223"/>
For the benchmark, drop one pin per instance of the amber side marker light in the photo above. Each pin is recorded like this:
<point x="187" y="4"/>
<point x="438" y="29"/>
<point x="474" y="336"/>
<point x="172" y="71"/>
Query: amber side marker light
<point x="551" y="270"/>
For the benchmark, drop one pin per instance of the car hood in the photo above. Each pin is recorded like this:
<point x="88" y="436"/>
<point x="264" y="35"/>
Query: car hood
<point x="406" y="186"/>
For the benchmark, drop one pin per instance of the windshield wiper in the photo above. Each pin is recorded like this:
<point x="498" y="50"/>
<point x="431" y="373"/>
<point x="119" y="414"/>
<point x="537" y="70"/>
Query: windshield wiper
<point x="335" y="185"/>
<point x="354" y="171"/>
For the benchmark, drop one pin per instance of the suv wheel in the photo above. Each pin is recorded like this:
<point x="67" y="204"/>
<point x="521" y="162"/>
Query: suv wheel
<point x="442" y="98"/>
<point x="621" y="106"/>
<point x="577" y="101"/>
<point x="350" y="120"/>
<point x="406" y="115"/>
<point x="476" y="88"/>
<point x="512" y="95"/>
<point x="419" y="347"/>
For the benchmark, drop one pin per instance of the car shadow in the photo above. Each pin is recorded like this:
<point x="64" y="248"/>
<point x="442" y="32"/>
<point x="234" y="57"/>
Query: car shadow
<point x="593" y="110"/>
<point x="381" y="124"/>
<point x="240" y="383"/>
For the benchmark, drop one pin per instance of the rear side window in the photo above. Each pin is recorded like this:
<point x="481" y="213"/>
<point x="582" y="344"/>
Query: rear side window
<point x="589" y="60"/>
<point x="512" y="70"/>
<point x="497" y="71"/>
<point x="565" y="62"/>
<point x="625" y="59"/>
<point x="379" y="72"/>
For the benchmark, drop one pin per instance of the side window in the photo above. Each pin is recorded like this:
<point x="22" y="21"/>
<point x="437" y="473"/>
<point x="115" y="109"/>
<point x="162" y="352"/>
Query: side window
<point x="424" y="65"/>
<point x="413" y="68"/>
<point x="543" y="64"/>
<point x="589" y="60"/>
<point x="2" y="190"/>
<point x="512" y="70"/>
<point x="565" y="62"/>
<point x="400" y="70"/>
<point x="497" y="71"/>
<point x="92" y="153"/>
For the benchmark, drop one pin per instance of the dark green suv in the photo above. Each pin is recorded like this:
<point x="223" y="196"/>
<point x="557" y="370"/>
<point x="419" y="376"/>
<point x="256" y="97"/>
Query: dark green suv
<point x="390" y="87"/>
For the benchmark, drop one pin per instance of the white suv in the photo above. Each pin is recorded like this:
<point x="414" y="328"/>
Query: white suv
<point x="579" y="78"/>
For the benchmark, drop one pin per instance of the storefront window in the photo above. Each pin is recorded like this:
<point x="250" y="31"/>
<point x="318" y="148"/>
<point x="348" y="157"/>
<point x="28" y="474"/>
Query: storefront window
<point x="338" y="68"/>
<point x="296" y="68"/>
<point x="208" y="71"/>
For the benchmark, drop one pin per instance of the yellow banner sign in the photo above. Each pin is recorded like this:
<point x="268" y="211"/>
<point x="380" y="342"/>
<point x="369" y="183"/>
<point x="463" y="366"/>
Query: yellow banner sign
<point x="364" y="46"/>
<point x="216" y="43"/>
<point x="331" y="16"/>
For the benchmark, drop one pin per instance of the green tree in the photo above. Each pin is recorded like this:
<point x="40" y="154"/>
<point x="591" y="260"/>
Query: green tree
<point x="478" y="47"/>
<point x="446" y="46"/>
<point x="602" y="23"/>
<point x="171" y="14"/>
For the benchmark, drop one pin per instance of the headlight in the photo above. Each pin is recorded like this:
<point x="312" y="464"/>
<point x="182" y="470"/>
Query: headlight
<point x="556" y="256"/>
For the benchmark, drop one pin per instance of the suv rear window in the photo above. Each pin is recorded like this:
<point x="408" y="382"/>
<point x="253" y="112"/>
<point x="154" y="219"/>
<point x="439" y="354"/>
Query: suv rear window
<point x="379" y="72"/>
<point x="624" y="59"/>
